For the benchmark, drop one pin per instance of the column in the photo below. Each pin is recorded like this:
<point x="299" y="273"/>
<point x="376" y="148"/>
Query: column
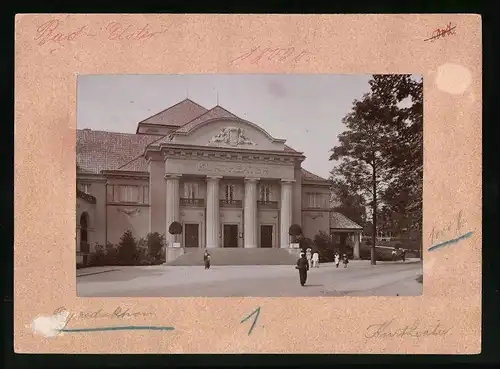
<point x="356" y="245"/>
<point x="250" y="213"/>
<point x="172" y="205"/>
<point x="213" y="218"/>
<point x="286" y="211"/>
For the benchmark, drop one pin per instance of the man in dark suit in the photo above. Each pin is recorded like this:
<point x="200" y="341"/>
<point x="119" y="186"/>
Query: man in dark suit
<point x="303" y="267"/>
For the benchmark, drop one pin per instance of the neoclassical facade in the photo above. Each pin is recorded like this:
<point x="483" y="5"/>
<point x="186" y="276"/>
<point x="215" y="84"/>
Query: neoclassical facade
<point x="225" y="179"/>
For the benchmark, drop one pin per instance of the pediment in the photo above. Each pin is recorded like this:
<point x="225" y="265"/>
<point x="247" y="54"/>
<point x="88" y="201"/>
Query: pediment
<point x="230" y="132"/>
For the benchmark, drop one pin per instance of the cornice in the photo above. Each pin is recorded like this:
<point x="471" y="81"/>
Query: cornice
<point x="125" y="174"/>
<point x="209" y="154"/>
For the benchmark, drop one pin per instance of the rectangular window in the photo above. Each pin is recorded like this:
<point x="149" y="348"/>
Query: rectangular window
<point x="265" y="193"/>
<point x="317" y="200"/>
<point x="84" y="187"/>
<point x="191" y="190"/>
<point x="229" y="192"/>
<point x="146" y="194"/>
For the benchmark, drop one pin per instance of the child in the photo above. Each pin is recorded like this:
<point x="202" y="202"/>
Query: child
<point x="346" y="260"/>
<point x="206" y="259"/>
<point x="337" y="259"/>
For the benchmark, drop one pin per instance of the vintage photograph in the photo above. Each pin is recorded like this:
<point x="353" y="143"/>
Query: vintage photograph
<point x="249" y="185"/>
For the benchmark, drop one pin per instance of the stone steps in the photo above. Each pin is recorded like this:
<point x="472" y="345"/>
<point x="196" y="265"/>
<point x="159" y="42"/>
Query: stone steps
<point x="237" y="256"/>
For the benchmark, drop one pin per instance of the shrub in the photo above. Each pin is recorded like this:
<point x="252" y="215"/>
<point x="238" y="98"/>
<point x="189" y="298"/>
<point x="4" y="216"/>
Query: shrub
<point x="155" y="243"/>
<point x="127" y="249"/>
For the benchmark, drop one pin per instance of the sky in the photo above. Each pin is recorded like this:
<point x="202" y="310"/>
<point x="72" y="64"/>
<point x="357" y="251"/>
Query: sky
<point x="304" y="109"/>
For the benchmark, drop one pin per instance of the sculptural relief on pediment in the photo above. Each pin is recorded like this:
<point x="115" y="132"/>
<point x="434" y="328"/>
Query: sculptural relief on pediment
<point x="231" y="136"/>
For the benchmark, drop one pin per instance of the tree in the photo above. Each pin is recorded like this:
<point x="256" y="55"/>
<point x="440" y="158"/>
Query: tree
<point x="348" y="202"/>
<point x="175" y="228"/>
<point x="361" y="152"/>
<point x="322" y="246"/>
<point x="379" y="151"/>
<point x="155" y="242"/>
<point x="127" y="248"/>
<point x="295" y="231"/>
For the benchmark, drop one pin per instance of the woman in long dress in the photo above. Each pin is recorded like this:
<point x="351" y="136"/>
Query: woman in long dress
<point x="337" y="259"/>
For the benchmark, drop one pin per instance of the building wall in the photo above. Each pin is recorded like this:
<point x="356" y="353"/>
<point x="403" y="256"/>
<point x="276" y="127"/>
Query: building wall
<point x="315" y="217"/>
<point x="157" y="193"/>
<point x="123" y="218"/>
<point x="297" y="197"/>
<point x="315" y="221"/>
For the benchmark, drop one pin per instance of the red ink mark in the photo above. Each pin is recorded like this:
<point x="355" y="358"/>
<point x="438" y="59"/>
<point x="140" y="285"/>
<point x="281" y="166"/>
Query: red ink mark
<point x="442" y="32"/>
<point x="118" y="32"/>
<point x="48" y="33"/>
<point x="276" y="54"/>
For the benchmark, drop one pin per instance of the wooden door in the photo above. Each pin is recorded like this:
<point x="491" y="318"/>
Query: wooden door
<point x="230" y="235"/>
<point x="192" y="235"/>
<point x="266" y="236"/>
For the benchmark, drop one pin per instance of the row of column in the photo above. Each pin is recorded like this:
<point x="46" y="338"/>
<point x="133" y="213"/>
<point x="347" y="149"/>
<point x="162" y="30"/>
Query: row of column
<point x="212" y="208"/>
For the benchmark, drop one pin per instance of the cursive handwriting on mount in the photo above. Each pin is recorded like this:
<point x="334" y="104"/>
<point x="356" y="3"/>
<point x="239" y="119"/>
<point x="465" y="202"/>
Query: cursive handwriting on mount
<point x="389" y="329"/>
<point x="55" y="33"/>
<point x="256" y="54"/>
<point x="442" y="32"/>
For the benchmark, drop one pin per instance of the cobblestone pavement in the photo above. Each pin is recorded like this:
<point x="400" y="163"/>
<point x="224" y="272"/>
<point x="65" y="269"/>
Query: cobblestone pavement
<point x="358" y="279"/>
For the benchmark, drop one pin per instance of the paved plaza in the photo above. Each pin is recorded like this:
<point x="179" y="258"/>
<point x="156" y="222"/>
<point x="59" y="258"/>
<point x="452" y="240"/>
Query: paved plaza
<point x="358" y="279"/>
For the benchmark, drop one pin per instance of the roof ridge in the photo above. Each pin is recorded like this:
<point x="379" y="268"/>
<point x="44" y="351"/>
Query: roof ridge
<point x="171" y="107"/>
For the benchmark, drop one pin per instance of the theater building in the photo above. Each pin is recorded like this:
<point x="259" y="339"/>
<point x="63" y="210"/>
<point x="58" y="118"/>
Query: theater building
<point x="225" y="179"/>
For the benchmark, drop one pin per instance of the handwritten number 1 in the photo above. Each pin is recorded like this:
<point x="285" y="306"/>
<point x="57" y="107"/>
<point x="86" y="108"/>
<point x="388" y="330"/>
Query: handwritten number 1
<point x="254" y="321"/>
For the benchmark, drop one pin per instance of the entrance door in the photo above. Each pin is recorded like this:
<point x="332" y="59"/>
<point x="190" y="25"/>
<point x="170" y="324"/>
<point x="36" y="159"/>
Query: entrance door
<point x="230" y="235"/>
<point x="191" y="235"/>
<point x="266" y="236"/>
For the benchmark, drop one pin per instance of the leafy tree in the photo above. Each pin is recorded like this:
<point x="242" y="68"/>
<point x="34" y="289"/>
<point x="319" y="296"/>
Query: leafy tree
<point x="348" y="202"/>
<point x="323" y="246"/>
<point x="379" y="152"/>
<point x="127" y="248"/>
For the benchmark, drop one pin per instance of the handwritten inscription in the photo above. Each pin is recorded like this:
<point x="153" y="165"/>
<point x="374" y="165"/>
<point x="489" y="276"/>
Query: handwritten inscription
<point x="442" y="32"/>
<point x="255" y="313"/>
<point x="118" y="313"/>
<point x="246" y="169"/>
<point x="278" y="54"/>
<point x="55" y="33"/>
<point x="448" y="230"/>
<point x="389" y="329"/>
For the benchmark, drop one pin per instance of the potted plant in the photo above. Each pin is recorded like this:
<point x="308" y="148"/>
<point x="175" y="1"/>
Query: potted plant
<point x="175" y="228"/>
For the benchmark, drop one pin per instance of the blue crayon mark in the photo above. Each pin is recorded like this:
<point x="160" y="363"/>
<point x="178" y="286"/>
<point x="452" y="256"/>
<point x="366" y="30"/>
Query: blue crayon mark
<point x="455" y="240"/>
<point x="125" y="328"/>
<point x="254" y="321"/>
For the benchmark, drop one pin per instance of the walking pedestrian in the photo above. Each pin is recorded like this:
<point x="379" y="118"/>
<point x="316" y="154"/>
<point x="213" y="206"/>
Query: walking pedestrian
<point x="309" y="256"/>
<point x="206" y="259"/>
<point x="403" y="255"/>
<point x="303" y="267"/>
<point x="337" y="259"/>
<point x="315" y="260"/>
<point x="346" y="260"/>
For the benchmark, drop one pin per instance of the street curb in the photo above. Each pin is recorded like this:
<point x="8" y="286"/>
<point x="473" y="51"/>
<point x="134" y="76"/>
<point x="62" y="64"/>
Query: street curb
<point x="94" y="273"/>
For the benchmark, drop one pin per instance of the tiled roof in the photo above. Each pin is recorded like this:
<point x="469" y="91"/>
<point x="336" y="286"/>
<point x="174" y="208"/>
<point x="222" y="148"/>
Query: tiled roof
<point x="178" y="114"/>
<point x="216" y="112"/>
<point x="138" y="164"/>
<point x="101" y="150"/>
<point x="311" y="176"/>
<point x="340" y="221"/>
